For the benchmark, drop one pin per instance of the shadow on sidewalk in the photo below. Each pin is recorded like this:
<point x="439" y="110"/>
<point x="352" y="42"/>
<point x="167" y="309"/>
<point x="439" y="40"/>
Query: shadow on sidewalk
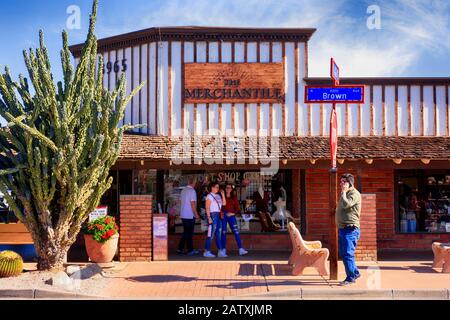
<point x="265" y="269"/>
<point x="271" y="269"/>
<point x="245" y="284"/>
<point x="233" y="255"/>
<point x="418" y="269"/>
<point x="160" y="278"/>
<point x="405" y="255"/>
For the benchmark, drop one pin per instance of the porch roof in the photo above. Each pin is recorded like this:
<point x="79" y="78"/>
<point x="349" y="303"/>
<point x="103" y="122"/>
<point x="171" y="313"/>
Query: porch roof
<point x="149" y="147"/>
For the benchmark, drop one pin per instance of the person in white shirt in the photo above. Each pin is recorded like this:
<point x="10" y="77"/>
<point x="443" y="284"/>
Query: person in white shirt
<point x="188" y="214"/>
<point x="213" y="206"/>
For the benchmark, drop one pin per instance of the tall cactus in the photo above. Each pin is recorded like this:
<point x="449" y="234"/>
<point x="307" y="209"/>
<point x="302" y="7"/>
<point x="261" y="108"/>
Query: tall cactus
<point x="59" y="144"/>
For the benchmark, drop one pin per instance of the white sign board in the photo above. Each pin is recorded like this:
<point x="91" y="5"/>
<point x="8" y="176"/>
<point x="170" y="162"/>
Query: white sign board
<point x="97" y="213"/>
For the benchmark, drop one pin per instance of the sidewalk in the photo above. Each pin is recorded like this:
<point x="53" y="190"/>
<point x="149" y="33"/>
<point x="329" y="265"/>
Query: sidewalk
<point x="269" y="275"/>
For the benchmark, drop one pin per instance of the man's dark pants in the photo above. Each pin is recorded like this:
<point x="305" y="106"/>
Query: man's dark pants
<point x="348" y="240"/>
<point x="188" y="232"/>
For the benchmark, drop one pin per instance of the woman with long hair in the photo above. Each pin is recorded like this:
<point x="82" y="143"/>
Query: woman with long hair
<point x="231" y="208"/>
<point x="214" y="202"/>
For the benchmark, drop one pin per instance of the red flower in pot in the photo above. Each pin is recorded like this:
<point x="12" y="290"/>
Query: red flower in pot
<point x="101" y="239"/>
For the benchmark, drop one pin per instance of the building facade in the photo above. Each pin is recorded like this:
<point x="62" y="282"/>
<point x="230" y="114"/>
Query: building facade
<point x="227" y="104"/>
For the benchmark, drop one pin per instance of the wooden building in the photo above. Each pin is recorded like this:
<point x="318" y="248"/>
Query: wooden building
<point x="241" y="90"/>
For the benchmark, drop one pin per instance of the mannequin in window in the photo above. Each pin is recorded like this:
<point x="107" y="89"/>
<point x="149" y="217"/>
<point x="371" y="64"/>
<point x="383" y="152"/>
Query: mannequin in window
<point x="261" y="199"/>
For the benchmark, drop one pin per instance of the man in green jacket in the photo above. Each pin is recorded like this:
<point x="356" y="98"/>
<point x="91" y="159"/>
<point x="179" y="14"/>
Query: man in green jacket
<point x="347" y="219"/>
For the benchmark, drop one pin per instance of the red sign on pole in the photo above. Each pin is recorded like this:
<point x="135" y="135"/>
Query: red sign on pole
<point x="333" y="136"/>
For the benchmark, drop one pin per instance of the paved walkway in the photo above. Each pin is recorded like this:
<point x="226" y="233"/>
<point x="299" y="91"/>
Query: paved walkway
<point x="260" y="274"/>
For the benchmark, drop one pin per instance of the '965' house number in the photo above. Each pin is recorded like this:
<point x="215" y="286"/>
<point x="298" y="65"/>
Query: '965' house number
<point x="116" y="66"/>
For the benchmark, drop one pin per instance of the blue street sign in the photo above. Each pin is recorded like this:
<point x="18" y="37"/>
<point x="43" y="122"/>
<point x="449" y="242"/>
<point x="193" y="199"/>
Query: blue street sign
<point x="330" y="94"/>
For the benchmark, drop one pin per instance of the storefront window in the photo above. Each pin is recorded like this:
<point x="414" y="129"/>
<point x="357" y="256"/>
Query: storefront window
<point x="145" y="182"/>
<point x="256" y="193"/>
<point x="424" y="201"/>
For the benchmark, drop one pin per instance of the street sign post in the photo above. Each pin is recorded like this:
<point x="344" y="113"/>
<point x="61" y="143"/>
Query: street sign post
<point x="333" y="195"/>
<point x="334" y="94"/>
<point x="333" y="137"/>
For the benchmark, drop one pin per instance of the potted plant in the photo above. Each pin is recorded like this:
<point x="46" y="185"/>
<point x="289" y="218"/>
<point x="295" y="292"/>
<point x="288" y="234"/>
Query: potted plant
<point x="101" y="237"/>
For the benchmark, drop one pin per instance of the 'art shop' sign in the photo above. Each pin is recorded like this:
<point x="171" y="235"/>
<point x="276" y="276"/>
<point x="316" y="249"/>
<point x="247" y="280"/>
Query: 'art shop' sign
<point x="237" y="177"/>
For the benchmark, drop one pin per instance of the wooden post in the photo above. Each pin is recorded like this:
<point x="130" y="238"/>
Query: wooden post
<point x="333" y="229"/>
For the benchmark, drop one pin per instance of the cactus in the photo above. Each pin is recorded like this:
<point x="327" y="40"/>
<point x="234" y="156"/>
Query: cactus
<point x="11" y="264"/>
<point x="59" y="144"/>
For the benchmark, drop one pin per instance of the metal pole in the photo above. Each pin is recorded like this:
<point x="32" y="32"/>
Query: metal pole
<point x="333" y="236"/>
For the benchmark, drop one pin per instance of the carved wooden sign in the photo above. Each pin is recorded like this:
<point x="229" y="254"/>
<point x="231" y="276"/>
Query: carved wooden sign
<point x="234" y="83"/>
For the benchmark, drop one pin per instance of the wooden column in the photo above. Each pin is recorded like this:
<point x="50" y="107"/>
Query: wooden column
<point x="333" y="229"/>
<point x="296" y="191"/>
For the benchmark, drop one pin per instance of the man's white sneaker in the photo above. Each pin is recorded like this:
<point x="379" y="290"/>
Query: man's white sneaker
<point x="208" y="254"/>
<point x="242" y="252"/>
<point x="222" y="254"/>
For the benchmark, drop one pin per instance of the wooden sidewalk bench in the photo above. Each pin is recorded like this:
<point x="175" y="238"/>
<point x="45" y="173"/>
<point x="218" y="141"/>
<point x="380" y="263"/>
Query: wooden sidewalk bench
<point x="14" y="233"/>
<point x="306" y="253"/>
<point x="441" y="253"/>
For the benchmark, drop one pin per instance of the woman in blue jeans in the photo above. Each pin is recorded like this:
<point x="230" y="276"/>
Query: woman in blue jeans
<point x="230" y="210"/>
<point x="213" y="207"/>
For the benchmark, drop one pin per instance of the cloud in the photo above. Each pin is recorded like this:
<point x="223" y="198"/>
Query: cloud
<point x="409" y="29"/>
<point x="257" y="13"/>
<point x="426" y="23"/>
<point x="359" y="60"/>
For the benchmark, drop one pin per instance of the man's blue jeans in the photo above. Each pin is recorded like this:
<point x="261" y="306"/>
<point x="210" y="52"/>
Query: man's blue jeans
<point x="214" y="230"/>
<point x="348" y="240"/>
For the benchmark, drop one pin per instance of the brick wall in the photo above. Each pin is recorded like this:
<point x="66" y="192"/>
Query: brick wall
<point x="381" y="183"/>
<point x="317" y="213"/>
<point x="317" y="205"/>
<point x="367" y="245"/>
<point x="135" y="228"/>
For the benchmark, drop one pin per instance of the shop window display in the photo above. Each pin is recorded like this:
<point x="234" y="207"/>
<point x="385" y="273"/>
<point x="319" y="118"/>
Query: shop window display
<point x="424" y="201"/>
<point x="255" y="192"/>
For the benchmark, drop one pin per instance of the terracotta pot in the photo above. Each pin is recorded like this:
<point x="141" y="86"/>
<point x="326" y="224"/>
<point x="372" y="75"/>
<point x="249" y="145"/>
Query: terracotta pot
<point x="101" y="252"/>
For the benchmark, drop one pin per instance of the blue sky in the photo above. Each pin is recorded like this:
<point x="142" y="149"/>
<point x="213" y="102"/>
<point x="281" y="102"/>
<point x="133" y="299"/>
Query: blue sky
<point x="414" y="39"/>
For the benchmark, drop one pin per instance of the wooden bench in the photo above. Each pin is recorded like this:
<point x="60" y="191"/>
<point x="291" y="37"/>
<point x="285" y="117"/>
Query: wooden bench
<point x="306" y="253"/>
<point x="441" y="253"/>
<point x="14" y="233"/>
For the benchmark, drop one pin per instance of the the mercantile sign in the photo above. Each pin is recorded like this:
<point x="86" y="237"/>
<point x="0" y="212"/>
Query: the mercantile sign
<point x="234" y="83"/>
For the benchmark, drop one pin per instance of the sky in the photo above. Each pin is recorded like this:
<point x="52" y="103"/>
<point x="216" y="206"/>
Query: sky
<point x="411" y="38"/>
